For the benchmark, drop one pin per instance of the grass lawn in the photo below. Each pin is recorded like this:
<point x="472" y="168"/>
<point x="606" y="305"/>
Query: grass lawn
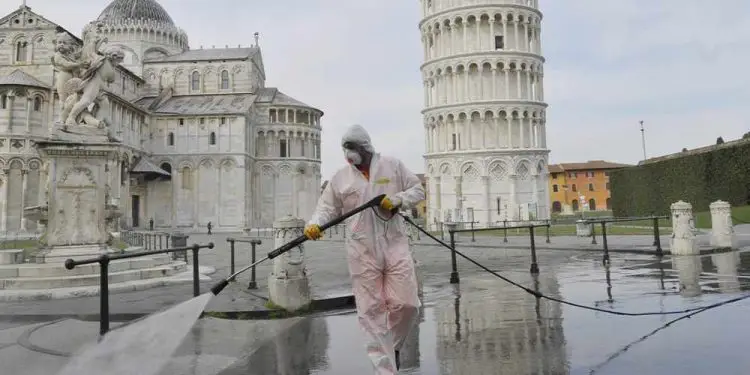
<point x="31" y="247"/>
<point x="570" y="230"/>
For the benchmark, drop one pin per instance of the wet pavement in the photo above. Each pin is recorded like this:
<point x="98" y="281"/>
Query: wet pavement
<point x="481" y="326"/>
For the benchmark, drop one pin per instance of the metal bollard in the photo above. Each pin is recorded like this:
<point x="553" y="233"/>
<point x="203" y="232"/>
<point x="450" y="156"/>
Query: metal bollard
<point x="472" y="232"/>
<point x="505" y="231"/>
<point x="231" y="256"/>
<point x="657" y="238"/>
<point x="534" y="265"/>
<point x="454" y="265"/>
<point x="103" y="294"/>
<point x="593" y="234"/>
<point x="549" y="224"/>
<point x="605" y="261"/>
<point x="196" y="276"/>
<point x="253" y="284"/>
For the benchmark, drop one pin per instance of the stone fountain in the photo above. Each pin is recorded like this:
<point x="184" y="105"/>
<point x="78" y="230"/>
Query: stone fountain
<point x="80" y="155"/>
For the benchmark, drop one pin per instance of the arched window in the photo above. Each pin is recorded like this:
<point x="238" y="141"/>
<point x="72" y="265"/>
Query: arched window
<point x="212" y="138"/>
<point x="575" y="204"/>
<point x="195" y="81"/>
<point x="22" y="51"/>
<point x="37" y="104"/>
<point x="556" y="206"/>
<point x="592" y="204"/>
<point x="170" y="139"/>
<point x="187" y="178"/>
<point x="609" y="204"/>
<point x="225" y="80"/>
<point x="166" y="167"/>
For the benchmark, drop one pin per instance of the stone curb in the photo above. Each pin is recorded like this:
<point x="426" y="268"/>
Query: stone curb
<point x="20" y="295"/>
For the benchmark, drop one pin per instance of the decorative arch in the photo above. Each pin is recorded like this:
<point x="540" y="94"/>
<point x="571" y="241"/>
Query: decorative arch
<point x="523" y="169"/>
<point x="497" y="170"/>
<point x="16" y="163"/>
<point x="446" y="169"/>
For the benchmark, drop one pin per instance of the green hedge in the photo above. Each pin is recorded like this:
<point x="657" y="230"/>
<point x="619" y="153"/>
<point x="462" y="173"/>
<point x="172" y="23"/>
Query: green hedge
<point x="699" y="179"/>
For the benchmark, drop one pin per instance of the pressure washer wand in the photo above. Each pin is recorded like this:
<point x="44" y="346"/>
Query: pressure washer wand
<point x="216" y="289"/>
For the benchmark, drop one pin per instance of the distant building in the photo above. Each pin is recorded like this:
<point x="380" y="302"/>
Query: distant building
<point x="581" y="186"/>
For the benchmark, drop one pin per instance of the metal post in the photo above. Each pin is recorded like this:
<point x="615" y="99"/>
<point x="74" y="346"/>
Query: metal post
<point x="253" y="284"/>
<point x="442" y="231"/>
<point x="505" y="231"/>
<point x="231" y="255"/>
<point x="657" y="238"/>
<point x="534" y="265"/>
<point x="472" y="232"/>
<point x="196" y="276"/>
<point x="604" y="242"/>
<point x="103" y="294"/>
<point x="454" y="265"/>
<point x="593" y="234"/>
<point x="549" y="224"/>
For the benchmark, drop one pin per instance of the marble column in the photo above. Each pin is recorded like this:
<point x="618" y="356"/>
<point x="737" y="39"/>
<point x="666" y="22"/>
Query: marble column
<point x="5" y="179"/>
<point x="486" y="185"/>
<point x="196" y="196"/>
<point x="459" y="193"/>
<point x="24" y="184"/>
<point x="535" y="197"/>
<point x="513" y="206"/>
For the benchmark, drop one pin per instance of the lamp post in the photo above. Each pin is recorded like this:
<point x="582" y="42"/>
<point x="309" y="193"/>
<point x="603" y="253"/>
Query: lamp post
<point x="643" y="140"/>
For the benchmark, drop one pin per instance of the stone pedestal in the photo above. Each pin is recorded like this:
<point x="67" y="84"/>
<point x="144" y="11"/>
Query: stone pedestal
<point x="689" y="273"/>
<point x="77" y="215"/>
<point x="722" y="228"/>
<point x="583" y="228"/>
<point x="288" y="286"/>
<point x="727" y="274"/>
<point x="683" y="230"/>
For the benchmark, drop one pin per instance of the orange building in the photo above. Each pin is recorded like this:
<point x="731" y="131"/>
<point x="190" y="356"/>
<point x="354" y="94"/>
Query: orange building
<point x="581" y="186"/>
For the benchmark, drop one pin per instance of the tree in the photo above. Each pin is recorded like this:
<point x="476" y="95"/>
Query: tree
<point x="746" y="135"/>
<point x="719" y="140"/>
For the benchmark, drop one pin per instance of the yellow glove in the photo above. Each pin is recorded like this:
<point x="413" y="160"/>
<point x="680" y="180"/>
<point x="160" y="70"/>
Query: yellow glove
<point x="312" y="232"/>
<point x="389" y="203"/>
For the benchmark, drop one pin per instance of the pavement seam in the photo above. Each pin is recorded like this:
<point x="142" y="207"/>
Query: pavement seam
<point x="25" y="342"/>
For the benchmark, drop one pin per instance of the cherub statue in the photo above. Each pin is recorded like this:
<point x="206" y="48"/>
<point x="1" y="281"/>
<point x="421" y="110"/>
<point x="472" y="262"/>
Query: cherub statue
<point x="68" y="63"/>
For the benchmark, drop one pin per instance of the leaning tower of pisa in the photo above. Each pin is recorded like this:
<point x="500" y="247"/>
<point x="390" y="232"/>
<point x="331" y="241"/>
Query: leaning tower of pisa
<point x="484" y="116"/>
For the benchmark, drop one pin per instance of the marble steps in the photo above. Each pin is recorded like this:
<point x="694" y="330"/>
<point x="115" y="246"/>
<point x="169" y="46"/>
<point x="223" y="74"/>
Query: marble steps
<point x="12" y="256"/>
<point x="127" y="275"/>
<point x="58" y="270"/>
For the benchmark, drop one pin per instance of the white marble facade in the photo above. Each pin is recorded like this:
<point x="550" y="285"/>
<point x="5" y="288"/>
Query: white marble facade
<point x="204" y="138"/>
<point x="485" y="116"/>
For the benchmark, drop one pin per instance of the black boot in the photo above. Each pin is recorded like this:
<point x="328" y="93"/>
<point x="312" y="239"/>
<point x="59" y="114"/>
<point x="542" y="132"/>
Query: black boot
<point x="398" y="360"/>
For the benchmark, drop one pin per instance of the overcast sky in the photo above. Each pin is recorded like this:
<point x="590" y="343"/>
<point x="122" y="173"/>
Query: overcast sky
<point x="681" y="66"/>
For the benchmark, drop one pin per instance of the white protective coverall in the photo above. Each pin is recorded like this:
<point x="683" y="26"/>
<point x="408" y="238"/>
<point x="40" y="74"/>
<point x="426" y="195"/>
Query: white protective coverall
<point x="381" y="267"/>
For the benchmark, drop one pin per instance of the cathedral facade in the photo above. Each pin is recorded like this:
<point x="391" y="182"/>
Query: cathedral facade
<point x="203" y="139"/>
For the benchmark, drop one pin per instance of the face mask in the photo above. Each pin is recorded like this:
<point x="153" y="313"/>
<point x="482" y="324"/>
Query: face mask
<point x="353" y="157"/>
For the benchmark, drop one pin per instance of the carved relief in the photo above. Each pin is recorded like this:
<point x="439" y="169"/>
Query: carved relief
<point x="17" y="143"/>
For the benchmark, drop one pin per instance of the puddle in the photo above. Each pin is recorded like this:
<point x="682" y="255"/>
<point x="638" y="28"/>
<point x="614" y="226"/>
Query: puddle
<point x="485" y="326"/>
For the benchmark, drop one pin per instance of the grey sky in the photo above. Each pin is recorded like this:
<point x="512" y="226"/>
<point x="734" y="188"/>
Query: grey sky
<point x="679" y="65"/>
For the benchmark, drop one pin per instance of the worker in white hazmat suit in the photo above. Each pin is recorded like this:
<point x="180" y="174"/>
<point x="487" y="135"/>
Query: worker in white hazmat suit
<point x="381" y="267"/>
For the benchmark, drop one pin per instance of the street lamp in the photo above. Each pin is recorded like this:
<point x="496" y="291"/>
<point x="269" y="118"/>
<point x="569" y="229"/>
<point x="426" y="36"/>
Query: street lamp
<point x="643" y="140"/>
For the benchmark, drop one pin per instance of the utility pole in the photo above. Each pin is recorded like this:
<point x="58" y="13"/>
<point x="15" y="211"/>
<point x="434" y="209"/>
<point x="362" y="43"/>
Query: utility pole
<point x="643" y="140"/>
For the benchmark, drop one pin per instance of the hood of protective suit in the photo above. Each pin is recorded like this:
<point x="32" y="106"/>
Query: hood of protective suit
<point x="358" y="135"/>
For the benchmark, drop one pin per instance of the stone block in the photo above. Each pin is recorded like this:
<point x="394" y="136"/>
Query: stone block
<point x="683" y="241"/>
<point x="14" y="256"/>
<point x="288" y="284"/>
<point x="583" y="228"/>
<point x="722" y="227"/>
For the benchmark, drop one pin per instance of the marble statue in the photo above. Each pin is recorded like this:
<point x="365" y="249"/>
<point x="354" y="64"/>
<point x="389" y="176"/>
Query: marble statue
<point x="83" y="76"/>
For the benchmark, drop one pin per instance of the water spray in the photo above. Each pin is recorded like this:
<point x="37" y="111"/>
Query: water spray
<point x="374" y="202"/>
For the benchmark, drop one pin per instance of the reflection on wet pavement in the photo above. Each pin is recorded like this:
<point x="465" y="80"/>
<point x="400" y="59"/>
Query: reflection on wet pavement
<point x="485" y="326"/>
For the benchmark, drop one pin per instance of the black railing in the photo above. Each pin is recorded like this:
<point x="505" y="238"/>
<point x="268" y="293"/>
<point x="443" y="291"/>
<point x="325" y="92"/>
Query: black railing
<point x="148" y="240"/>
<point x="253" y="243"/>
<point x="452" y="234"/>
<point x="608" y="220"/>
<point x="104" y="260"/>
<point x="505" y="227"/>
